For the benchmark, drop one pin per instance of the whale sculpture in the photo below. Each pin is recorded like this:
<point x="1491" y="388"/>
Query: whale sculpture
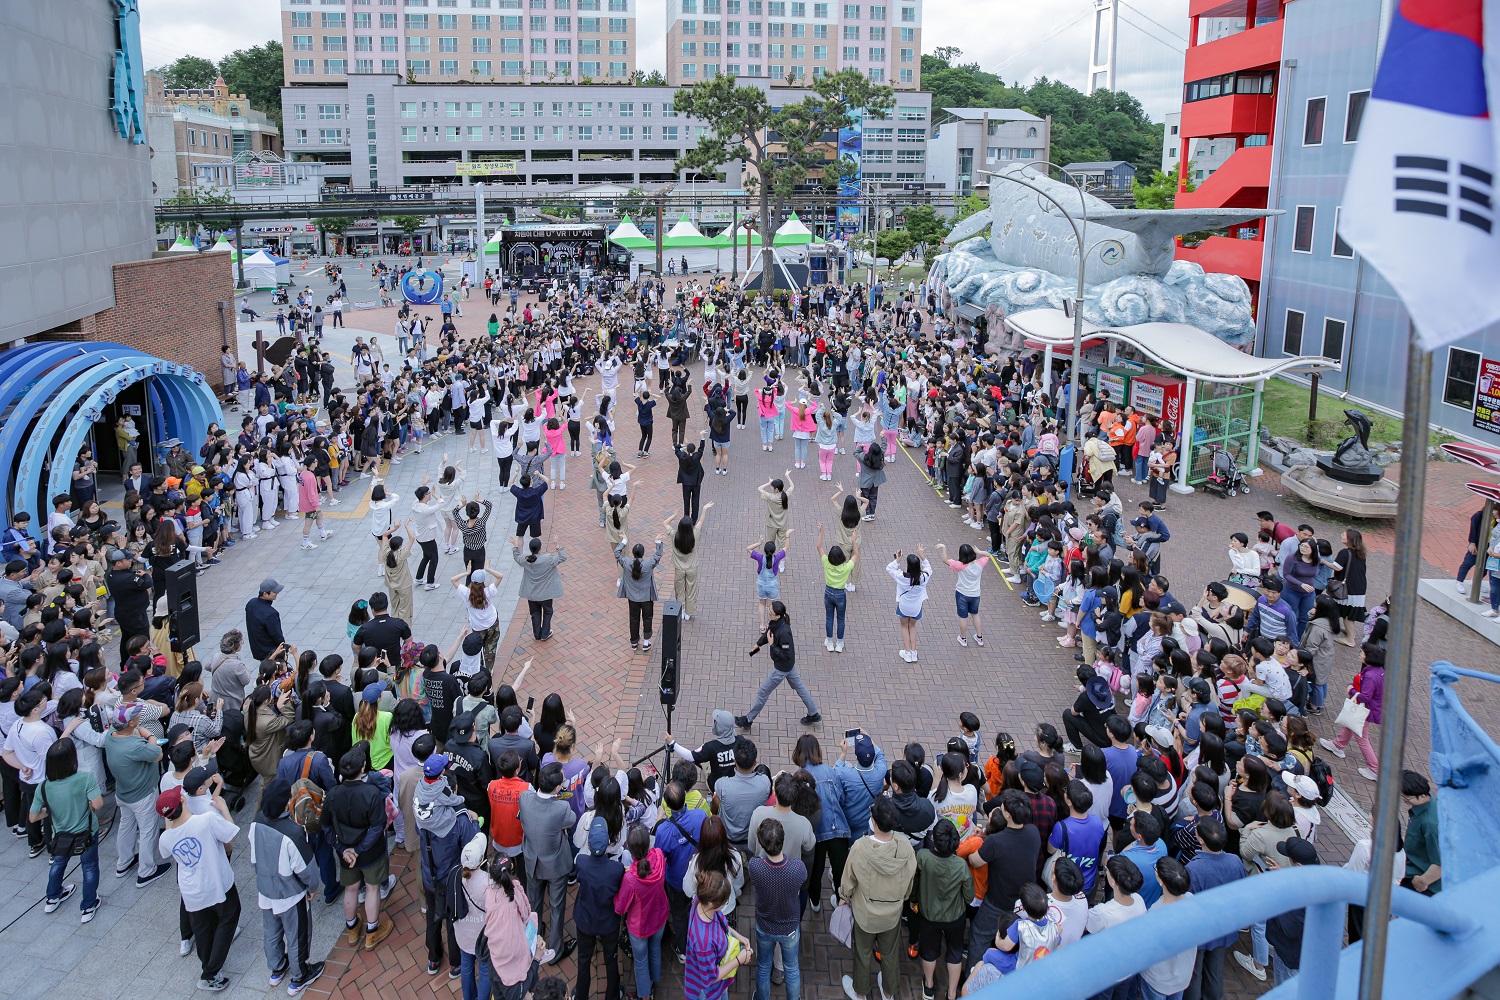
<point x="1028" y="231"/>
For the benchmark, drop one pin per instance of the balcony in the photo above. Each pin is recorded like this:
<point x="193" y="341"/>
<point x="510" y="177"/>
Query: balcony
<point x="1240" y="182"/>
<point x="1230" y="115"/>
<point x="1226" y="255"/>
<point x="1254" y="49"/>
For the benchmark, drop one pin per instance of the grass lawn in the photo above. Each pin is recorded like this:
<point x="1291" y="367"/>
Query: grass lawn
<point x="1285" y="414"/>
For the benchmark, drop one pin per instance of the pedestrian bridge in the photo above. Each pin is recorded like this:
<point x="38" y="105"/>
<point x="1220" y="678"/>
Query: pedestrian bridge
<point x="1439" y="946"/>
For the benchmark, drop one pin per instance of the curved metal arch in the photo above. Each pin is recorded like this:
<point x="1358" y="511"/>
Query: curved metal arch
<point x="189" y="405"/>
<point x="36" y="401"/>
<point x="22" y="365"/>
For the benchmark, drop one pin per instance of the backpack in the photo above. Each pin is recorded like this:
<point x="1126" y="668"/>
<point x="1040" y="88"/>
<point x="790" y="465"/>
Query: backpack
<point x="1035" y="940"/>
<point x="1106" y="451"/>
<point x="456" y="899"/>
<point x="1323" y="775"/>
<point x="305" y="804"/>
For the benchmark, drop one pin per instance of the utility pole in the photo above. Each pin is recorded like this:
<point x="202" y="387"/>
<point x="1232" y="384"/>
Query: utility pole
<point x="734" y="250"/>
<point x="660" y="265"/>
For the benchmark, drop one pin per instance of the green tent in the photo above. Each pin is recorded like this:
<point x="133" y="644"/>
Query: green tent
<point x="685" y="235"/>
<point x="629" y="236"/>
<point x="793" y="233"/>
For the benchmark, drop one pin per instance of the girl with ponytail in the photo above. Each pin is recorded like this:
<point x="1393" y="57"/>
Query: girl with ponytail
<point x="638" y="586"/>
<point x="642" y="901"/>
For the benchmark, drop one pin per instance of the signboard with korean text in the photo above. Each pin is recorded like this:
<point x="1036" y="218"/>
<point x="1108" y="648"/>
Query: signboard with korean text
<point x="1487" y="397"/>
<point x="485" y="168"/>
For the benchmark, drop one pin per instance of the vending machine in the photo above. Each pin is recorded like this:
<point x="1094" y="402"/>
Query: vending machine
<point x="1158" y="395"/>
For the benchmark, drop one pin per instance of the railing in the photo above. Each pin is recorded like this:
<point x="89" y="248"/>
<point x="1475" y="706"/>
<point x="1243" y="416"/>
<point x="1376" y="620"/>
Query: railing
<point x="1438" y="947"/>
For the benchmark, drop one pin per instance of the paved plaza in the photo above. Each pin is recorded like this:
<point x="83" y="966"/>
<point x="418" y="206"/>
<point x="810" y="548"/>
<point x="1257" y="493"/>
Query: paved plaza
<point x="1019" y="678"/>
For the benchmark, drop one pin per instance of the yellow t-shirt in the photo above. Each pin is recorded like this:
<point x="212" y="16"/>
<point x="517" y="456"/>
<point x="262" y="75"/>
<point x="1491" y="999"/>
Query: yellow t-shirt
<point x="837" y="577"/>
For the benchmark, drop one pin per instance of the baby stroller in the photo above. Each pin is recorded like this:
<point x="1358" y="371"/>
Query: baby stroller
<point x="1225" y="477"/>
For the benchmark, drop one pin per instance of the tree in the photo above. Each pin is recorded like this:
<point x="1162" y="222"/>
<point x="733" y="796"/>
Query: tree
<point x="892" y="244"/>
<point x="780" y="147"/>
<point x="925" y="225"/>
<point x="256" y="72"/>
<point x="1161" y="190"/>
<point x="408" y="224"/>
<point x="191" y="71"/>
<point x="655" y="78"/>
<point x="967" y="206"/>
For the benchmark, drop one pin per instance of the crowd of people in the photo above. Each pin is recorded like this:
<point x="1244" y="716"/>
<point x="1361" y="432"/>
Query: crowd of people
<point x="1186" y="762"/>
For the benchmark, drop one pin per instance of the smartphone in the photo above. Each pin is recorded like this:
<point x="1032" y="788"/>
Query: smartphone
<point x="530" y="702"/>
<point x="849" y="734"/>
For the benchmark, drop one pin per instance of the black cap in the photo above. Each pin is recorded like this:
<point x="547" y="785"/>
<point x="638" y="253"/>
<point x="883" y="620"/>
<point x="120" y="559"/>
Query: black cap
<point x="1300" y="851"/>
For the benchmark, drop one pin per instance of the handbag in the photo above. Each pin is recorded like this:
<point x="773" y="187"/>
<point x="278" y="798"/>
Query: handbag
<point x="841" y="925"/>
<point x="1352" y="716"/>
<point x="1338" y="590"/>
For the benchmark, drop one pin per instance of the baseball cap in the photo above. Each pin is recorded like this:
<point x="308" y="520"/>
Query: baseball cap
<point x="433" y="767"/>
<point x="173" y="481"/>
<point x="119" y="555"/>
<point x="1031" y="775"/>
<point x="1303" y="786"/>
<point x="194" y="780"/>
<point x="270" y="586"/>
<point x="168" y="803"/>
<point x="1161" y="735"/>
<point x="198" y="470"/>
<point x="864" y="750"/>
<point x="1298" y="850"/>
<point x="1172" y="608"/>
<point x="372" y="691"/>
<point x="473" y="643"/>
<point x="598" y="836"/>
<point x="473" y="853"/>
<point x="478" y="576"/>
<point x="125" y="715"/>
<point x="462" y="726"/>
<point x="1138" y="522"/>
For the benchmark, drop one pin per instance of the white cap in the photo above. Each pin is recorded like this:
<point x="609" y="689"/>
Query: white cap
<point x="473" y="853"/>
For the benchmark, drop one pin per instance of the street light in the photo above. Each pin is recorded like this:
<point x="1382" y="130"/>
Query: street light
<point x="1079" y="233"/>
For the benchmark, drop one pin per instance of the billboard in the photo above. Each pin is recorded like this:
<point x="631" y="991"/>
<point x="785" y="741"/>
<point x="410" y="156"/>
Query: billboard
<point x="485" y="168"/>
<point x="851" y="147"/>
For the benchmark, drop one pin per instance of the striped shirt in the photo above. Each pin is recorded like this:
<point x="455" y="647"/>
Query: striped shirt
<point x="707" y="942"/>
<point x="475" y="535"/>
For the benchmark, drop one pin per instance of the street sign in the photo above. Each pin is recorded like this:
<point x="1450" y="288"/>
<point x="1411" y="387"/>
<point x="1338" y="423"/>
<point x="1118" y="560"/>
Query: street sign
<point x="484" y="168"/>
<point x="381" y="196"/>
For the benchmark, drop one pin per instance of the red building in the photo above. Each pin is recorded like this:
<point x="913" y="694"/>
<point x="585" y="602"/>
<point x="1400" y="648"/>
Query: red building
<point x="1230" y="94"/>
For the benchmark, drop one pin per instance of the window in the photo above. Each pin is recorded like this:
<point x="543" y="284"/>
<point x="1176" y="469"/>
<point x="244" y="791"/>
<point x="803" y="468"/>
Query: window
<point x="589" y="69"/>
<point x="333" y="20"/>
<point x="512" y="22"/>
<point x="539" y="46"/>
<point x="877" y="34"/>
<point x="390" y="43"/>
<point x="909" y="15"/>
<point x="1333" y="339"/>
<point x="474" y="109"/>
<point x="851" y="53"/>
<point x="390" y="66"/>
<point x="1312" y="124"/>
<point x="689" y="27"/>
<point x="669" y="133"/>
<point x="820" y="31"/>
<point x="481" y="45"/>
<point x="1340" y="248"/>
<point x="482" y="67"/>
<point x="911" y="135"/>
<point x="1354" y="114"/>
<point x="453" y="109"/>
<point x="877" y="53"/>
<point x="690" y="48"/>
<point x="447" y="44"/>
<point x="617" y="47"/>
<point x="1302" y="231"/>
<point x="627" y="133"/>
<point x="510" y="46"/>
<point x="585" y="109"/>
<point x="908" y="55"/>
<point x="799" y="9"/>
<point x="364" y="43"/>
<point x="479" y="22"/>
<point x="877" y="13"/>
<point x="1461" y="381"/>
<point x="851" y="12"/>
<point x="510" y="67"/>
<point x="453" y="133"/>
<point x="302" y="137"/>
<point x="776" y="8"/>
<point x="419" y="67"/>
<point x="820" y="11"/>
<point x="418" y="43"/>
<point x="447" y="22"/>
<point x="387" y="19"/>
<point x="416" y="22"/>
<point x="1172" y="152"/>
<point x="589" y="46"/>
<point x="302" y="43"/>
<point x="299" y="112"/>
<point x="776" y="50"/>
<point x="1291" y="334"/>
<point x="327" y="135"/>
<point x="302" y="19"/>
<point x="408" y="133"/>
<point x="627" y="109"/>
<point x="517" y="133"/>
<point x="588" y="24"/>
<point x="617" y="26"/>
<point x="538" y="22"/>
<point x="562" y="24"/>
<point x="820" y="53"/>
<point x="330" y="112"/>
<point x="908" y="34"/>
<point x="335" y="67"/>
<point x="585" y="133"/>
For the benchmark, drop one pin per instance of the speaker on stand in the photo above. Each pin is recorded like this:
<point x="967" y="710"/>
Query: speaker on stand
<point x="669" y="641"/>
<point x="182" y="604"/>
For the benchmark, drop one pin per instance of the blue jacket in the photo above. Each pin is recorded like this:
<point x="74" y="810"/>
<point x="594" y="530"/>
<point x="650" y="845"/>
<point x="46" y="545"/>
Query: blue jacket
<point x="857" y="790"/>
<point x="678" y="849"/>
<point x="289" y="768"/>
<point x="529" y="502"/>
<point x="441" y="854"/>
<point x="832" y="823"/>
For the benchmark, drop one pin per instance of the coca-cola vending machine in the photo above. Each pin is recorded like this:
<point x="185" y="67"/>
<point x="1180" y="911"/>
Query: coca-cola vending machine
<point x="1158" y="395"/>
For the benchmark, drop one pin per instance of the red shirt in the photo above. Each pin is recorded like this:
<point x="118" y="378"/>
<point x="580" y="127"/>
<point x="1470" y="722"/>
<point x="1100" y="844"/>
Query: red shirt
<point x="505" y="808"/>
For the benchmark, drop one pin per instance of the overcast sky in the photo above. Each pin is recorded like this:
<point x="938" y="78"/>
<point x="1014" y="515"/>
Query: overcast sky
<point x="1019" y="41"/>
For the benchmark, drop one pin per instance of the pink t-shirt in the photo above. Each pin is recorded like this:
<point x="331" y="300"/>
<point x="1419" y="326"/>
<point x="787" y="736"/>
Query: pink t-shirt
<point x="765" y="403"/>
<point x="803" y="424"/>
<point x="554" y="437"/>
<point x="308" y="499"/>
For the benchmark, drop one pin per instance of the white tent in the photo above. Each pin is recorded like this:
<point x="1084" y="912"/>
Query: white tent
<point x="262" y="270"/>
<point x="793" y="233"/>
<point x="224" y="244"/>
<point x="628" y="235"/>
<point x="684" y="235"/>
<point x="183" y="245"/>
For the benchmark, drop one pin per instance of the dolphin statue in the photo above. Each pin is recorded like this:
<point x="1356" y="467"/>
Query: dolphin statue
<point x="1027" y="231"/>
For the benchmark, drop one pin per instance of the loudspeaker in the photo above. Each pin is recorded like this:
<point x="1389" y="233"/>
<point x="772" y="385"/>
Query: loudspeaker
<point x="182" y="603"/>
<point x="670" y="637"/>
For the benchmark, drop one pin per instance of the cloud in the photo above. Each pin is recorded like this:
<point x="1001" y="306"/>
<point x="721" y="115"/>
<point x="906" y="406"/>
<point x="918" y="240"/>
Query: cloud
<point x="1018" y="41"/>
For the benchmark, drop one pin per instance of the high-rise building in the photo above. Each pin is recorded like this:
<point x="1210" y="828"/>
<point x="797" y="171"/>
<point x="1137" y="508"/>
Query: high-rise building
<point x="1230" y="99"/>
<point x="453" y="41"/>
<point x="794" y="40"/>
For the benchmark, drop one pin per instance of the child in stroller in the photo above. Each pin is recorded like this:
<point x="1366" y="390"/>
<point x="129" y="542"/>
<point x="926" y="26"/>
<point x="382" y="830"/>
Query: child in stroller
<point x="1225" y="478"/>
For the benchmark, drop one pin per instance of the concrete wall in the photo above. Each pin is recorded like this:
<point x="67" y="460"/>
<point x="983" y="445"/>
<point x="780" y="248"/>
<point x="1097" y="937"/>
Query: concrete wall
<point x="75" y="198"/>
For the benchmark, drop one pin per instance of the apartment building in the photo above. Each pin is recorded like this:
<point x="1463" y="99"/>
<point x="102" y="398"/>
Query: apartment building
<point x="1230" y="100"/>
<point x="448" y="41"/>
<point x="794" y="41"/>
<point x="968" y="141"/>
<point x="1319" y="296"/>
<point x="379" y="130"/>
<point x="192" y="127"/>
<point x="1205" y="155"/>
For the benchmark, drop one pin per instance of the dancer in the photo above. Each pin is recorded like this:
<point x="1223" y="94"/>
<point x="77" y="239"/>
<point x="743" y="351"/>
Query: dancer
<point x="776" y="495"/>
<point x="911" y="573"/>
<point x="778" y="635"/>
<point x="685" y="561"/>
<point x="970" y="570"/>
<point x="837" y="567"/>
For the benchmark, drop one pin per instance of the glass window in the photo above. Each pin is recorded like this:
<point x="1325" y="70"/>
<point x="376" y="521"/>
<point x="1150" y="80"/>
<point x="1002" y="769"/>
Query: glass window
<point x="1354" y="114"/>
<point x="1333" y="339"/>
<point x="1291" y="334"/>
<point x="1461" y="380"/>
<point x="1302" y="232"/>
<point x="1312" y="124"/>
<point x="1340" y="248"/>
<point x="482" y="67"/>
<point x="408" y="133"/>
<point x="302" y="43"/>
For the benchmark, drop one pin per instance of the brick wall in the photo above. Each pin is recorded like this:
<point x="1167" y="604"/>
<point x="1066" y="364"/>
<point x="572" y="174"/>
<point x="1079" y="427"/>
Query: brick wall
<point x="168" y="306"/>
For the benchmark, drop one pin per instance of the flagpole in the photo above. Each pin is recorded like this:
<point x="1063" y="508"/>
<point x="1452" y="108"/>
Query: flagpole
<point x="1398" y="665"/>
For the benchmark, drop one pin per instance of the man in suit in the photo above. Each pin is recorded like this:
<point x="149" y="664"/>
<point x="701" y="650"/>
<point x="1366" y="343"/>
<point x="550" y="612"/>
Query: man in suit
<point x="341" y="697"/>
<point x="547" y="823"/>
<point x="690" y="475"/>
<point x="137" y="480"/>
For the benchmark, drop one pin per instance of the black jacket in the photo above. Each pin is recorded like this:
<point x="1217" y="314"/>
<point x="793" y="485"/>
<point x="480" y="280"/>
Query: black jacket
<point x="690" y="464"/>
<point x="783" y="650"/>
<point x="598" y="883"/>
<point x="530" y="762"/>
<point x="355" y="811"/>
<point x="262" y="626"/>
<point x="469" y="770"/>
<point x="132" y="596"/>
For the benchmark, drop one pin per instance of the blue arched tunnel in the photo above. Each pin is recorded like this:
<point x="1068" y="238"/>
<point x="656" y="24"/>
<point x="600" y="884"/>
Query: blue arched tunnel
<point x="53" y="394"/>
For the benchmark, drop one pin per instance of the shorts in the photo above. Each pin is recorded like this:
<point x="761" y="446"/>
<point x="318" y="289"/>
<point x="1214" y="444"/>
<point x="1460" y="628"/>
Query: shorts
<point x="966" y="605"/>
<point x="948" y="939"/>
<point x="720" y="445"/>
<point x="535" y="527"/>
<point x="375" y="874"/>
<point x="768" y="593"/>
<point x="911" y="618"/>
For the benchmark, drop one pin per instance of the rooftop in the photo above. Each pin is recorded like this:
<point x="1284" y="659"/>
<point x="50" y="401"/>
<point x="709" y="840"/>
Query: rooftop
<point x="994" y="114"/>
<point x="1098" y="165"/>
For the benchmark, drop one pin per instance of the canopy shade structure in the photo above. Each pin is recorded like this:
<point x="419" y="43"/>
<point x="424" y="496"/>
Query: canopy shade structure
<point x="1185" y="349"/>
<point x="57" y="393"/>
<point x="224" y="244"/>
<point x="629" y="236"/>
<point x="793" y="233"/>
<point x="784" y="276"/>
<point x="183" y="245"/>
<point x="263" y="270"/>
<point x="740" y="237"/>
<point x="684" y="235"/>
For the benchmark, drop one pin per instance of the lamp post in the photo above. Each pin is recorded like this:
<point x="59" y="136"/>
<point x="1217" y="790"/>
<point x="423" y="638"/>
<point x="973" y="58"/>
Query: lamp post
<point x="1079" y="234"/>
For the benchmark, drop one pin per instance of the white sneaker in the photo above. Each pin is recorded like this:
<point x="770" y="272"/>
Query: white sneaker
<point x="185" y="948"/>
<point x="904" y="654"/>
<point x="1069" y="748"/>
<point x="325" y="535"/>
<point x="849" y="989"/>
<point x="1490" y="614"/>
<point x="1331" y="748"/>
<point x="962" y="641"/>
<point x="1459" y="586"/>
<point x="828" y="644"/>
<point x="308" y="544"/>
<point x="838" y="645"/>
<point x="1365" y="772"/>
<point x="1248" y="964"/>
<point x="1048" y="616"/>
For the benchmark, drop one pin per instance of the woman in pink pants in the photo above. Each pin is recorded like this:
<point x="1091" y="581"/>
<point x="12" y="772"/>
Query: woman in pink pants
<point x="1369" y="690"/>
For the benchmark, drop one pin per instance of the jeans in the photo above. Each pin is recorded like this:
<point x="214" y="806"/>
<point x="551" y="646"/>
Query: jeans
<point x="473" y="977"/>
<point x="765" y="945"/>
<point x="835" y="604"/>
<point x="641" y="613"/>
<point x="286" y="939"/>
<point x="1495" y="590"/>
<point x="1140" y="467"/>
<point x="767" y="430"/>
<point x="541" y="618"/>
<point x="690" y="494"/>
<point x="89" y="862"/>
<point x="213" y="931"/>
<point x="772" y="681"/>
<point x="1148" y="993"/>
<point x="1123" y="990"/>
<point x="1260" y="950"/>
<point x="1302" y="603"/>
<point x="799" y="447"/>
<point x="559" y="462"/>
<point x="136" y="835"/>
<point x="1208" y="975"/>
<point x="988" y="920"/>
<point x="647" y="952"/>
<point x="609" y="949"/>
<point x="1279" y="970"/>
<point x="647" y="430"/>
<point x="429" y="563"/>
